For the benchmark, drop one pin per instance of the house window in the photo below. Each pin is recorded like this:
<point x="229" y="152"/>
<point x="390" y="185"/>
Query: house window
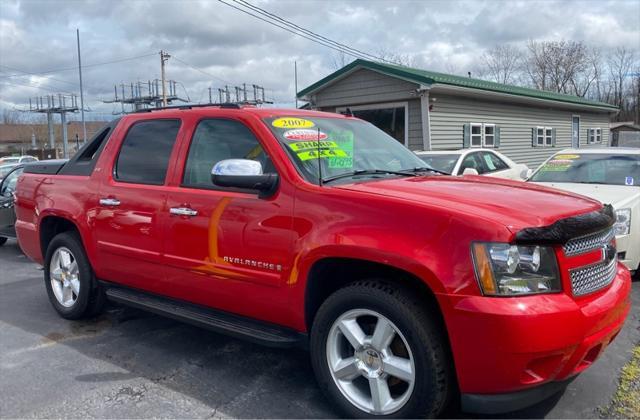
<point x="392" y="118"/>
<point x="544" y="136"/>
<point x="595" y="135"/>
<point x="476" y="135"/>
<point x="483" y="135"/>
<point x="489" y="135"/>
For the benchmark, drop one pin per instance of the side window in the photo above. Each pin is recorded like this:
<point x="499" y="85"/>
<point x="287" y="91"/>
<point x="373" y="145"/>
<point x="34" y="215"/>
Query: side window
<point x="145" y="151"/>
<point x="471" y="161"/>
<point x="218" y="139"/>
<point x="493" y="162"/>
<point x="10" y="182"/>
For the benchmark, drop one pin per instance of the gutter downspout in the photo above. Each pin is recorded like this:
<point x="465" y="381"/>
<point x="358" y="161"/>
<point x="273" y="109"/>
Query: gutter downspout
<point x="425" y="117"/>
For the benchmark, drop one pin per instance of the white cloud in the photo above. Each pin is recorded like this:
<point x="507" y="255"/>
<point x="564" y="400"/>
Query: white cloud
<point x="37" y="35"/>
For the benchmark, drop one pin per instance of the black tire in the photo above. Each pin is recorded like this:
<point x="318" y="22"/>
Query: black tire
<point x="91" y="298"/>
<point x="3" y="240"/>
<point x="434" y="381"/>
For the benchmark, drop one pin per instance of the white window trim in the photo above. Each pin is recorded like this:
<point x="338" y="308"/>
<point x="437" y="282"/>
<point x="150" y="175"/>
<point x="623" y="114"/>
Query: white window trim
<point x="384" y="105"/>
<point x="482" y="135"/>
<point x="545" y="137"/>
<point x="595" y="134"/>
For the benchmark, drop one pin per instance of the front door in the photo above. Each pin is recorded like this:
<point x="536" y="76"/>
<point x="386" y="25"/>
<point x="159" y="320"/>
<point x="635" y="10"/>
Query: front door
<point x="227" y="249"/>
<point x="575" y="131"/>
<point x="128" y="222"/>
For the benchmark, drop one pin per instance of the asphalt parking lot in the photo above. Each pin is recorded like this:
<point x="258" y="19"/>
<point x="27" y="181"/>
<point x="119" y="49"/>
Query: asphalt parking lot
<point x="131" y="364"/>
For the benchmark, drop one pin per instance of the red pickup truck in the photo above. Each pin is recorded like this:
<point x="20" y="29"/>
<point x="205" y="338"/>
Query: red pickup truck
<point x="411" y="289"/>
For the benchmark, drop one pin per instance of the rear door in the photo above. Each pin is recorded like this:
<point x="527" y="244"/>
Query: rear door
<point x="128" y="224"/>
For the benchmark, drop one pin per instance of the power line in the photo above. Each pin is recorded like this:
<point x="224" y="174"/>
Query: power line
<point x="30" y="86"/>
<point x="290" y="27"/>
<point x="84" y="66"/>
<point x="26" y="73"/>
<point x="200" y="70"/>
<point x="307" y="31"/>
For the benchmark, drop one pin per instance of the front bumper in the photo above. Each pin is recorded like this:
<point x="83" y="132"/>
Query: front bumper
<point x="502" y="345"/>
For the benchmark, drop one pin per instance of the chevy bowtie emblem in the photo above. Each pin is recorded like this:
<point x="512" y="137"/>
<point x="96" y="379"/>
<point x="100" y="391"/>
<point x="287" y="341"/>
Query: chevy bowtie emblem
<point x="608" y="252"/>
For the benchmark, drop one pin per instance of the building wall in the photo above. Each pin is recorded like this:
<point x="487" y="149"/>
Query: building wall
<point x="368" y="87"/>
<point x="450" y="113"/>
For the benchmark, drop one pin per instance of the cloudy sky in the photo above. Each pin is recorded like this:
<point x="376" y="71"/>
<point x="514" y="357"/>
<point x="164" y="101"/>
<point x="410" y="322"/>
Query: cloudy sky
<point x="222" y="45"/>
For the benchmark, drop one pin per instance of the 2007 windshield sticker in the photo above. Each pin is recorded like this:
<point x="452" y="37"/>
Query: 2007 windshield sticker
<point x="304" y="134"/>
<point x="292" y="122"/>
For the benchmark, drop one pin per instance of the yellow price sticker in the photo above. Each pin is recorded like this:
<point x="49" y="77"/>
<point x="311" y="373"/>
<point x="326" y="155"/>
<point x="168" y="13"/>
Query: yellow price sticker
<point x="291" y="122"/>
<point x="563" y="157"/>
<point x="325" y="153"/>
<point x="304" y="145"/>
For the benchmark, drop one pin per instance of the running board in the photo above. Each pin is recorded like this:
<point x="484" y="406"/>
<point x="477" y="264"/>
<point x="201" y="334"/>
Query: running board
<point x="237" y="326"/>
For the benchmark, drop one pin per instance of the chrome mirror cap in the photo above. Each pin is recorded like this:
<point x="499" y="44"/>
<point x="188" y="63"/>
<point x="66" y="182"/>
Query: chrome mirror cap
<point x="237" y="167"/>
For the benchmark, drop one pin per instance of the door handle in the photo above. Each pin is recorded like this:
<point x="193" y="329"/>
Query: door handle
<point x="183" y="211"/>
<point x="110" y="202"/>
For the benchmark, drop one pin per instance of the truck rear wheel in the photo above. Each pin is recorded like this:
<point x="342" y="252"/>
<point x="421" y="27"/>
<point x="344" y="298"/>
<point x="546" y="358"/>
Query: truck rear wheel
<point x="69" y="278"/>
<point x="377" y="352"/>
<point x="3" y="240"/>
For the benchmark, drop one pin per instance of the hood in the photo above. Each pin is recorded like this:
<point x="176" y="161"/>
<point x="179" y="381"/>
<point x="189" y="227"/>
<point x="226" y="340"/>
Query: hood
<point x="513" y="204"/>
<point x="619" y="196"/>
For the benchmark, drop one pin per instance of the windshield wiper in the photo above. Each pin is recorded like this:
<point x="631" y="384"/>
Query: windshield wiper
<point x="366" y="172"/>
<point x="426" y="169"/>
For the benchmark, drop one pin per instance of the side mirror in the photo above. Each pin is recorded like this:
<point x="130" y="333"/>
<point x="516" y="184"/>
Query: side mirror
<point x="470" y="171"/>
<point x="245" y="174"/>
<point x="526" y="173"/>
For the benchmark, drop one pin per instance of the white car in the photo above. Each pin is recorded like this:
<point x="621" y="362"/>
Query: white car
<point x="475" y="162"/>
<point x="611" y="176"/>
<point x="17" y="159"/>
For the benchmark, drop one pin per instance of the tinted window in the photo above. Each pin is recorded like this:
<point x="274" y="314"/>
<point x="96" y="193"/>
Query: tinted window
<point x="10" y="182"/>
<point x="444" y="163"/>
<point x="472" y="161"/>
<point x="216" y="140"/>
<point x="144" y="155"/>
<point x="591" y="168"/>
<point x="493" y="162"/>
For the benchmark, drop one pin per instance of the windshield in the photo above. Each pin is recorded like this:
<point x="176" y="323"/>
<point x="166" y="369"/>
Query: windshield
<point x="346" y="146"/>
<point x="591" y="168"/>
<point x="444" y="163"/>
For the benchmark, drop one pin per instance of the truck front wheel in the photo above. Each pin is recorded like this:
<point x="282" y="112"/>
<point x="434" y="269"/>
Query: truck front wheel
<point x="69" y="278"/>
<point x="377" y="352"/>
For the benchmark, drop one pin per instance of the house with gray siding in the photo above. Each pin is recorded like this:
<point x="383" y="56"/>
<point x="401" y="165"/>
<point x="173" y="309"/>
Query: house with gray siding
<point x="433" y="111"/>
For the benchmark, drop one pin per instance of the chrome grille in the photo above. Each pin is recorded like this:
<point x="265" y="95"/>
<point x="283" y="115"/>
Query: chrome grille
<point x="593" y="277"/>
<point x="587" y="243"/>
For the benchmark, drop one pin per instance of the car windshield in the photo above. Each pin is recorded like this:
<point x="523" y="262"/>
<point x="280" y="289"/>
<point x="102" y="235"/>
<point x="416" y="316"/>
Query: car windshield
<point x="346" y="148"/>
<point x="5" y="169"/>
<point x="591" y="168"/>
<point x="9" y="160"/>
<point x="444" y="163"/>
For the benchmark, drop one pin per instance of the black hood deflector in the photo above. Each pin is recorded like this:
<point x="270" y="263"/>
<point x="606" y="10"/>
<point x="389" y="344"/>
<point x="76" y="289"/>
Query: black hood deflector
<point x="564" y="230"/>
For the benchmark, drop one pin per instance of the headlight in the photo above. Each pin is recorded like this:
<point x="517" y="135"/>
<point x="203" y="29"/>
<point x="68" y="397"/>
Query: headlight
<point x="622" y="226"/>
<point x="506" y="270"/>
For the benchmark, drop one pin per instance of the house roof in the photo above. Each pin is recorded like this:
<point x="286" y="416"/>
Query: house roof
<point x="430" y="78"/>
<point x="628" y="125"/>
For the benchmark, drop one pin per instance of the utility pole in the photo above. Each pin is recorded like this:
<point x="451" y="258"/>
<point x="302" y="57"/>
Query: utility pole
<point x="163" y="59"/>
<point x="84" y="126"/>
<point x="295" y="78"/>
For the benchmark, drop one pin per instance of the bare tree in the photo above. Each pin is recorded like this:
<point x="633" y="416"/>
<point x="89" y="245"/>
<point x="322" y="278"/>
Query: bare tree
<point x="406" y="60"/>
<point x="340" y="60"/>
<point x="620" y="63"/>
<point x="553" y="65"/>
<point x="587" y="74"/>
<point x="502" y="64"/>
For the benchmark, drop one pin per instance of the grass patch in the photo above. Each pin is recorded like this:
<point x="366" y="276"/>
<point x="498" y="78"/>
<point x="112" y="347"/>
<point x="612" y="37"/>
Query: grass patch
<point x="626" y="401"/>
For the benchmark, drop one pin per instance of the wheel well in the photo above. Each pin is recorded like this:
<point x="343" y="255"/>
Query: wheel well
<point x="52" y="226"/>
<point x="330" y="274"/>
